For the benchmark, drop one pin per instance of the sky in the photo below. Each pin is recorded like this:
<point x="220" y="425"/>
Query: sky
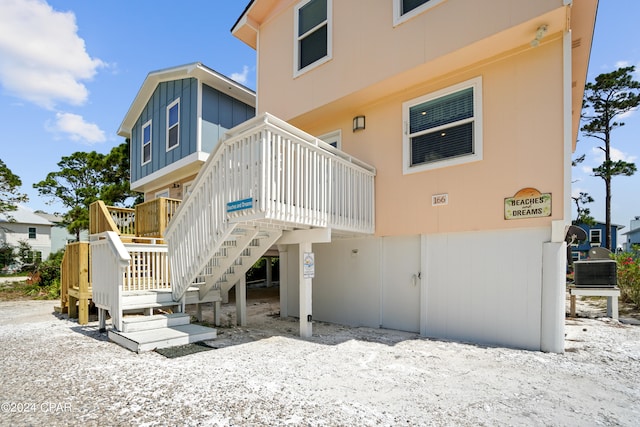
<point x="69" y="70"/>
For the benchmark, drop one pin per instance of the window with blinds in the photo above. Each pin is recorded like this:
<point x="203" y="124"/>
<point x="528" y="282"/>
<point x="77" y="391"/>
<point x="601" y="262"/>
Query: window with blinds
<point x="313" y="33"/>
<point x="443" y="128"/>
<point x="404" y="10"/>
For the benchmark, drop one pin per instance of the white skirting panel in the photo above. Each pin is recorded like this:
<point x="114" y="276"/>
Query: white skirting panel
<point x="484" y="287"/>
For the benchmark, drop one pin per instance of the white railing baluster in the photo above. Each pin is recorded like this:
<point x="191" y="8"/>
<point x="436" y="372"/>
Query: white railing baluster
<point x="292" y="180"/>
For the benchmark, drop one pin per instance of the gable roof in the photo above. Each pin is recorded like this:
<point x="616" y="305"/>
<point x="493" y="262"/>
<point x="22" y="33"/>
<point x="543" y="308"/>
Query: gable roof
<point x="196" y="70"/>
<point x="23" y="215"/>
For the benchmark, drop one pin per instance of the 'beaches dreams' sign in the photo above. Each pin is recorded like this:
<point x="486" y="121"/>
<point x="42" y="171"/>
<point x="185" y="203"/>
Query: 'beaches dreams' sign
<point x="527" y="203"/>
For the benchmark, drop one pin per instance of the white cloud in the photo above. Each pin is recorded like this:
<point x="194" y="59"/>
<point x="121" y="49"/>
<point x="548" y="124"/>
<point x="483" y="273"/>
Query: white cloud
<point x="43" y="60"/>
<point x="622" y="64"/>
<point x="241" y="77"/>
<point x="598" y="156"/>
<point x="77" y="129"/>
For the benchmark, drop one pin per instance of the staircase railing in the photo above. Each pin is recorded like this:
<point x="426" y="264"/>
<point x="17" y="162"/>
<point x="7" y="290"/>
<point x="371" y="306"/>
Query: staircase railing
<point x="119" y="268"/>
<point x="111" y="218"/>
<point x="109" y="261"/>
<point x="267" y="171"/>
<point x="147" y="219"/>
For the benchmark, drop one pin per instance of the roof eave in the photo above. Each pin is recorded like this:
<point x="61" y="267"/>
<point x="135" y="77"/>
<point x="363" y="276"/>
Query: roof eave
<point x="196" y="70"/>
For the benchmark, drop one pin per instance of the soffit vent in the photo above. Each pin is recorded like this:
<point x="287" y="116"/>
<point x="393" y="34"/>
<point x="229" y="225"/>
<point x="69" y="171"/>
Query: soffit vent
<point x="576" y="43"/>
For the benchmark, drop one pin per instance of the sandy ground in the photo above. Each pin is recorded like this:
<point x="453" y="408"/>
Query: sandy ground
<point x="55" y="372"/>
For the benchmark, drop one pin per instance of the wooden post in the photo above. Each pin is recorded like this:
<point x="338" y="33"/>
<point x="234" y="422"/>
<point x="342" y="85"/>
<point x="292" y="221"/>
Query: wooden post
<point x="306" y="325"/>
<point x="217" y="306"/>
<point x="241" y="301"/>
<point x="102" y="319"/>
<point x="83" y="284"/>
<point x="269" y="272"/>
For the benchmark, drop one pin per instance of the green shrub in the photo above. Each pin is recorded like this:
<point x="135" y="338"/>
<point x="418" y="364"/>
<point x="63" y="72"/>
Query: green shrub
<point x="629" y="277"/>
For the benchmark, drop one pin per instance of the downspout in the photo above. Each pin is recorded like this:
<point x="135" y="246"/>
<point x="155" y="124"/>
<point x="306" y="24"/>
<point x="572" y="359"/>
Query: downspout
<point x="554" y="253"/>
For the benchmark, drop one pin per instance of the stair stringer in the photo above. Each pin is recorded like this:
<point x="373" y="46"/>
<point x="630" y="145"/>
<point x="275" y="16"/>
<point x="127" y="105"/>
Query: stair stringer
<point x="178" y="290"/>
<point x="225" y="262"/>
<point x="248" y="260"/>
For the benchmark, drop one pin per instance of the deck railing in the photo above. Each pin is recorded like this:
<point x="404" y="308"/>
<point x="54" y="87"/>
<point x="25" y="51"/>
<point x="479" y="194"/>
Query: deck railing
<point x="111" y="218"/>
<point x="118" y="268"/>
<point x="148" y="269"/>
<point x="153" y="216"/>
<point x="148" y="219"/>
<point x="267" y="171"/>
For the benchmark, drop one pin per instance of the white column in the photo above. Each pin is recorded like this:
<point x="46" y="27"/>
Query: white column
<point x="241" y="301"/>
<point x="554" y="258"/>
<point x="284" y="271"/>
<point x="306" y="326"/>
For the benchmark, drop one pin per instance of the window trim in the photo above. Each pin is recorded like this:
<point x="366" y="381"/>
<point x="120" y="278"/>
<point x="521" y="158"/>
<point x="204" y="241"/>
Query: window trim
<point x="296" y="39"/>
<point x="592" y="233"/>
<point x="169" y="107"/>
<point x="334" y="136"/>
<point x="142" y="143"/>
<point x="477" y="155"/>
<point x="399" y="18"/>
<point x="162" y="193"/>
<point x="34" y="232"/>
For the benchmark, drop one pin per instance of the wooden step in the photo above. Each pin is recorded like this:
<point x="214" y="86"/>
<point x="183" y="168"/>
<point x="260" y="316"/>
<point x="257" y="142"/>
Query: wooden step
<point x="163" y="337"/>
<point x="145" y="323"/>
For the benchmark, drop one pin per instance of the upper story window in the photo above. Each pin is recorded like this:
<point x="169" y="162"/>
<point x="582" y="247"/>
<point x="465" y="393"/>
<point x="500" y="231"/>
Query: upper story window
<point x="313" y="34"/>
<point x="32" y="232"/>
<point x="404" y="10"/>
<point x="173" y="124"/>
<point x="146" y="142"/>
<point x="443" y="128"/>
<point x="595" y="237"/>
<point x="332" y="138"/>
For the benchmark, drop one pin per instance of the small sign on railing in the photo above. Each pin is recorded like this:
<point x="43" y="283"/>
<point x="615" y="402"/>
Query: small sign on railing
<point x="240" y="205"/>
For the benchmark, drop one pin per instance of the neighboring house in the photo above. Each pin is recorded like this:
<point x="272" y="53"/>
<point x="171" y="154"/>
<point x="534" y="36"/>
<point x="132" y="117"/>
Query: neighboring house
<point x="595" y="237"/>
<point x="24" y="225"/>
<point x="469" y="111"/>
<point x="174" y="122"/>
<point x="633" y="235"/>
<point x="60" y="236"/>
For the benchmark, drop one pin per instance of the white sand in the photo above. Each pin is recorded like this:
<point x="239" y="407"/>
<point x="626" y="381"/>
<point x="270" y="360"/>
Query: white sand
<point x="55" y="372"/>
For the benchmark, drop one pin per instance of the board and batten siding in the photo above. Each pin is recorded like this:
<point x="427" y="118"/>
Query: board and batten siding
<point x="220" y="112"/>
<point x="156" y="110"/>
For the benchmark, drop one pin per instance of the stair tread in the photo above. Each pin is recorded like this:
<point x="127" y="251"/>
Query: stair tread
<point x="140" y="319"/>
<point x="163" y="337"/>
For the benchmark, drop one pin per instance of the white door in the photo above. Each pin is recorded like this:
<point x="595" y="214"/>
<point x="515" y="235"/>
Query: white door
<point x="401" y="283"/>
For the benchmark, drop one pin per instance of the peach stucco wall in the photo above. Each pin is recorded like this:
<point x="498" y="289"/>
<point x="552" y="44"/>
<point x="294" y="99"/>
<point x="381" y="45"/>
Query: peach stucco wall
<point x="523" y="147"/>
<point x="370" y="54"/>
<point x="522" y="89"/>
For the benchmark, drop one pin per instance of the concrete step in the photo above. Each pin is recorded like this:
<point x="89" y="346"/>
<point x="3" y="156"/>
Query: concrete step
<point x="145" y="323"/>
<point x="163" y="337"/>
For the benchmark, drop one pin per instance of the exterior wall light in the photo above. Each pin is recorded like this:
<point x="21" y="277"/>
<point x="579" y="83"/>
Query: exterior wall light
<point x="358" y="123"/>
<point x="540" y="33"/>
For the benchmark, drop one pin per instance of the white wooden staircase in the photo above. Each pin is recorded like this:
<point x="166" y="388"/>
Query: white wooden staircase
<point x="266" y="177"/>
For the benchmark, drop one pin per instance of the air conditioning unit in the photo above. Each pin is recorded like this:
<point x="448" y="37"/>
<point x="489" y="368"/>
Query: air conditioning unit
<point x="597" y="273"/>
